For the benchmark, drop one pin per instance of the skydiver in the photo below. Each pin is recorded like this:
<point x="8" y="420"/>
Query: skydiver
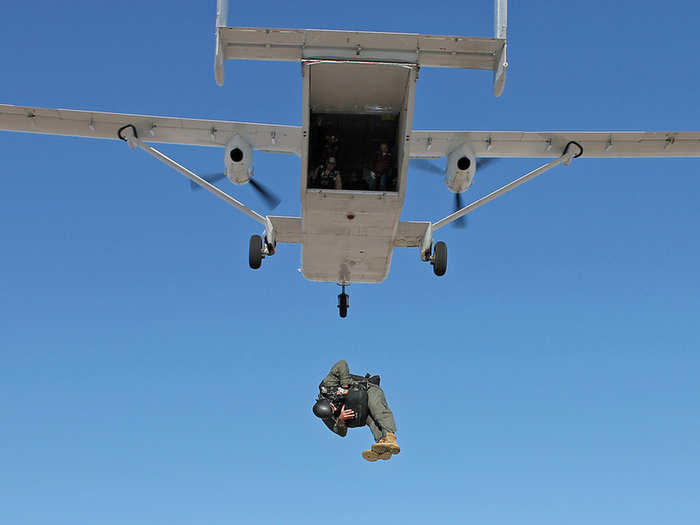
<point x="347" y="400"/>
<point x="327" y="177"/>
<point x="382" y="169"/>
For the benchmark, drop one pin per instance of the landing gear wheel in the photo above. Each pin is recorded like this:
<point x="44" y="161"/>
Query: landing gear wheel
<point x="343" y="303"/>
<point x="439" y="259"/>
<point x="255" y="253"/>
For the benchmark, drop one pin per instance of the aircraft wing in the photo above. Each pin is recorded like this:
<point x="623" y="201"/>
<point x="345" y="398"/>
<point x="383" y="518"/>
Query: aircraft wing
<point x="93" y="124"/>
<point x="436" y="144"/>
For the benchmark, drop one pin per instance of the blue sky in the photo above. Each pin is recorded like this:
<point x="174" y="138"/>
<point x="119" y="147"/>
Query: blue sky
<point x="149" y="377"/>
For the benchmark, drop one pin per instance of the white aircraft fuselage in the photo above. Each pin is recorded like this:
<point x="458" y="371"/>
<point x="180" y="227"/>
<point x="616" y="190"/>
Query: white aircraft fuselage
<point x="349" y="234"/>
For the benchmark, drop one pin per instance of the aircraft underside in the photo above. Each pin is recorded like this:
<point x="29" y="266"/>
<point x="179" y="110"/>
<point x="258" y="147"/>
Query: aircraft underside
<point x="355" y="142"/>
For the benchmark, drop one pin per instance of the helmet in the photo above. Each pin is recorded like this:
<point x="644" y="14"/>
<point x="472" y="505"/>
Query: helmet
<point x="323" y="409"/>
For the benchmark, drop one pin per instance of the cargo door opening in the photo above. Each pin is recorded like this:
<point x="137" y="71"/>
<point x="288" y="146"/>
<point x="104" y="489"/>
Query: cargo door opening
<point x="353" y="151"/>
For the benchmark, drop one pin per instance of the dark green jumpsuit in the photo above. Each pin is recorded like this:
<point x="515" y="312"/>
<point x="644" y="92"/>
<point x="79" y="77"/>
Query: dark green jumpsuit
<point x="380" y="419"/>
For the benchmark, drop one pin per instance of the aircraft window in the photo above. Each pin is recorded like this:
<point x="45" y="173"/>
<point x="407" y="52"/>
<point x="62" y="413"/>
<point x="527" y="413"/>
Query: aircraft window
<point x="352" y="152"/>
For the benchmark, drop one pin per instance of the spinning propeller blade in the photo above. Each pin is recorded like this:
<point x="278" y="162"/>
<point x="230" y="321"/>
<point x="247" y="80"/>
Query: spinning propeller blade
<point x="211" y="179"/>
<point x="480" y="163"/>
<point x="431" y="166"/>
<point x="462" y="221"/>
<point x="427" y="165"/>
<point x="265" y="193"/>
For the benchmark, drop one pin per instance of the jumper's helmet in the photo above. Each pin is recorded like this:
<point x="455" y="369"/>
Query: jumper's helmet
<point x="323" y="409"/>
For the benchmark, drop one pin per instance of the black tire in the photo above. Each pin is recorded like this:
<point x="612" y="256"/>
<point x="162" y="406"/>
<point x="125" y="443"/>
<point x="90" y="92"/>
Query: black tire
<point x="343" y="304"/>
<point x="440" y="259"/>
<point x="255" y="255"/>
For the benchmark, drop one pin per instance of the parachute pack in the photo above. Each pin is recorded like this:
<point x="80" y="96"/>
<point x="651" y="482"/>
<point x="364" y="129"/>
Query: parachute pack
<point x="356" y="399"/>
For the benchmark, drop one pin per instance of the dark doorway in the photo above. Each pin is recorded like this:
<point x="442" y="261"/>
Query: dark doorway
<point x="355" y="142"/>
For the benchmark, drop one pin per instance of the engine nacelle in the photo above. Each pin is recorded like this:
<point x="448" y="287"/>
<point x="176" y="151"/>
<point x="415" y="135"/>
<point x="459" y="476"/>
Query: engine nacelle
<point x="239" y="160"/>
<point x="461" y="167"/>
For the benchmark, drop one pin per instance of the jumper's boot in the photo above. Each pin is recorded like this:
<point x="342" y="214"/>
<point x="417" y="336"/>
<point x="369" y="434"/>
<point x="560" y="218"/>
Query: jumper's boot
<point x="387" y="444"/>
<point x="371" y="455"/>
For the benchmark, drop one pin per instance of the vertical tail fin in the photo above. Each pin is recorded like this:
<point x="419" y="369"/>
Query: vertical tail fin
<point x="500" y="30"/>
<point x="221" y="17"/>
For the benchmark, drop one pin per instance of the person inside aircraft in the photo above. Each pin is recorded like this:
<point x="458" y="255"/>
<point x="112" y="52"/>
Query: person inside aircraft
<point x="381" y="175"/>
<point x="327" y="176"/>
<point x="347" y="400"/>
<point x="331" y="146"/>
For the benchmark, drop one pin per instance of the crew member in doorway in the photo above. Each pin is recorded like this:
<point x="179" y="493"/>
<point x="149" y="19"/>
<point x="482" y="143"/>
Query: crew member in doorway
<point x="347" y="400"/>
<point x="331" y="146"/>
<point x="327" y="177"/>
<point x="382" y="173"/>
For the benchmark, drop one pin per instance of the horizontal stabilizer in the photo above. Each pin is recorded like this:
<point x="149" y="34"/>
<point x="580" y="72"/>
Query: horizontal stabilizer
<point x="257" y="43"/>
<point x="301" y="44"/>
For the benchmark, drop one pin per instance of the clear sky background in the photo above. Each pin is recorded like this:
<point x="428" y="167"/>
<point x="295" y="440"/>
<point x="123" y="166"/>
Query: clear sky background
<point x="148" y="376"/>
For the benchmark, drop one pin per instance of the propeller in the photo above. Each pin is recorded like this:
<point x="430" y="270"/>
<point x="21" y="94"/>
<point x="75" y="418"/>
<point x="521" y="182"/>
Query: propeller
<point x="265" y="193"/>
<point x="430" y="166"/>
<point x="481" y="163"/>
<point x="462" y="221"/>
<point x="211" y="179"/>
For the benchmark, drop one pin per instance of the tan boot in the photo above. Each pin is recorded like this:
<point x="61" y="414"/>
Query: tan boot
<point x="387" y="444"/>
<point x="370" y="455"/>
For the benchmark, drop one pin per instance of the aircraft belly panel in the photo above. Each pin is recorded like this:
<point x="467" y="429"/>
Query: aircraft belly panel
<point x="348" y="236"/>
<point x="340" y="258"/>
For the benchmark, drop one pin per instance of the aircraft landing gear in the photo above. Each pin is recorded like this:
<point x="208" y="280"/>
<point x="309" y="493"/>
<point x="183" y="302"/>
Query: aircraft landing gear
<point x="258" y="249"/>
<point x="255" y="252"/>
<point x="343" y="303"/>
<point x="439" y="258"/>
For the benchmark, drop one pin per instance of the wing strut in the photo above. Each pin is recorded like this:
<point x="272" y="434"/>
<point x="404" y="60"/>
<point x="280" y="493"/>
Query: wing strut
<point x="572" y="150"/>
<point x="128" y="134"/>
